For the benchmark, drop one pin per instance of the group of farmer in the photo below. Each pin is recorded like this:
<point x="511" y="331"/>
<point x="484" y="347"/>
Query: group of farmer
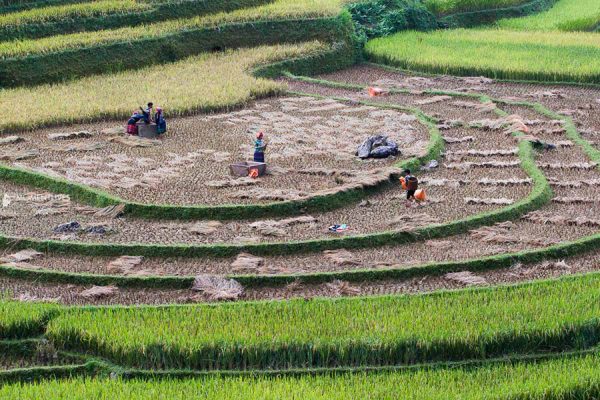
<point x="409" y="182"/>
<point x="148" y="115"/>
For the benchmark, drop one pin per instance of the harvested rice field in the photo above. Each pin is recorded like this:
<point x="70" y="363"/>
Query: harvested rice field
<point x="312" y="145"/>
<point x="136" y="266"/>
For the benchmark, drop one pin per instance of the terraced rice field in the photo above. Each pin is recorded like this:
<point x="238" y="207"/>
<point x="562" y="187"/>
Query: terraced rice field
<point x="136" y="268"/>
<point x="518" y="48"/>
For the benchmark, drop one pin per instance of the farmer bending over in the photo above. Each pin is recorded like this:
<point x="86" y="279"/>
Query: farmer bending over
<point x="131" y="123"/>
<point x="412" y="184"/>
<point x="259" y="148"/>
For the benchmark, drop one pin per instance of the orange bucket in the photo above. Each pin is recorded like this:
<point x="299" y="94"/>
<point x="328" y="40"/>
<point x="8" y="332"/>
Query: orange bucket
<point x="253" y="173"/>
<point x="420" y="195"/>
<point x="375" y="91"/>
<point x="403" y="182"/>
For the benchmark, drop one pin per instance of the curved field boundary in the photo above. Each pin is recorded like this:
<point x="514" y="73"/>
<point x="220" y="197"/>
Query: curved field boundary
<point x="158" y="11"/>
<point x="536" y="70"/>
<point x="35" y="374"/>
<point x="523" y="81"/>
<point x="557" y="252"/>
<point x="459" y="332"/>
<point x="568" y="249"/>
<point x="134" y="54"/>
<point x="320" y="202"/>
<point x="479" y="17"/>
<point x="102" y="368"/>
<point x="540" y="194"/>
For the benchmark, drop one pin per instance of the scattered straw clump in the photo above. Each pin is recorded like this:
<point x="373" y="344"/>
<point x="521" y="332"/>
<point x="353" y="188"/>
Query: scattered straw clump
<point x="504" y="182"/>
<point x="270" y="194"/>
<point x="575" y="200"/>
<point x="488" y="201"/>
<point x="124" y="264"/>
<point x="277" y="228"/>
<point x="135" y="141"/>
<point x="464" y="139"/>
<point x="407" y="222"/>
<point x="228" y="183"/>
<point x="98" y="292"/>
<point x="573" y="166"/>
<point x="487" y="106"/>
<point x="19" y="155"/>
<point x="216" y="288"/>
<point x="22" y="256"/>
<point x="483" y="164"/>
<point x="501" y="234"/>
<point x="341" y="257"/>
<point x="205" y="228"/>
<point x="433" y="100"/>
<point x="69" y="135"/>
<point x="573" y="184"/>
<point x="245" y="263"/>
<point x="466" y="278"/>
<point x="10" y="140"/>
<point x="338" y="288"/>
<point x="483" y="153"/>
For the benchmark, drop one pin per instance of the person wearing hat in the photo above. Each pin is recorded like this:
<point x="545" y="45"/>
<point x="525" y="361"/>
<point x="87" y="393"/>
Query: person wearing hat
<point x="259" y="148"/>
<point x="412" y="184"/>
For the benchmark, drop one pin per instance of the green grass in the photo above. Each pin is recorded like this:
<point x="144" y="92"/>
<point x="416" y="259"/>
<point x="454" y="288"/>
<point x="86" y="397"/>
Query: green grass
<point x="531" y="48"/>
<point x="279" y="9"/>
<point x="23" y="319"/>
<point x="566" y="15"/>
<point x="350" y="332"/>
<point x="444" y="7"/>
<point x="561" y="378"/>
<point x="57" y="12"/>
<point x="206" y="82"/>
<point x="545" y="56"/>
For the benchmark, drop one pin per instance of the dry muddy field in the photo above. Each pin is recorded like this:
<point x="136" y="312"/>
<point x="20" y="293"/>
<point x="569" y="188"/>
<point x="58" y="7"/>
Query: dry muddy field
<point x="311" y="150"/>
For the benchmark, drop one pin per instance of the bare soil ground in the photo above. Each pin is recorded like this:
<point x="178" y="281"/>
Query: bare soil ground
<point x="461" y="176"/>
<point x="73" y="294"/>
<point x="190" y="164"/>
<point x="574" y="212"/>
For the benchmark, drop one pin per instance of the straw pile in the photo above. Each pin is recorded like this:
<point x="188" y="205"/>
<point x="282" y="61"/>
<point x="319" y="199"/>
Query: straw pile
<point x="98" y="292"/>
<point x="69" y="135"/>
<point x="544" y="218"/>
<point x="205" y="228"/>
<point x="10" y="140"/>
<point x="338" y="288"/>
<point x="466" y="278"/>
<point x="341" y="257"/>
<point x="483" y="164"/>
<point x="572" y="166"/>
<point x="464" y="139"/>
<point x="124" y="264"/>
<point x="488" y="201"/>
<point x="216" y="288"/>
<point x="504" y="182"/>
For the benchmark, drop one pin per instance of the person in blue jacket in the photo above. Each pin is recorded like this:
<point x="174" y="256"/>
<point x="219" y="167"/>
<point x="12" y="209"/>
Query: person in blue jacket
<point x="161" y="122"/>
<point x="259" y="148"/>
<point x="131" y="123"/>
<point x="147" y="112"/>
